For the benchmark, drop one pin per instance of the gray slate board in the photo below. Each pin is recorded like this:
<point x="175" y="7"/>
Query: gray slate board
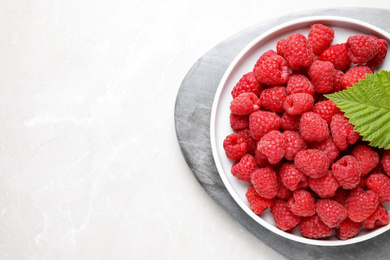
<point x="192" y="121"/>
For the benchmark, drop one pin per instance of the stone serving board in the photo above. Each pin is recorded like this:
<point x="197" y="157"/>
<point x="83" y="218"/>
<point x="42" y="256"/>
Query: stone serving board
<point x="192" y="121"/>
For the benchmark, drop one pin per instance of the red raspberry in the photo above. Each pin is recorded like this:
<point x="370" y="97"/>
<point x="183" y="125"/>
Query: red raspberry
<point x="320" y="38"/>
<point x="294" y="143"/>
<point x="367" y="158"/>
<point x="385" y="161"/>
<point x="342" y="131"/>
<point x="284" y="218"/>
<point x="326" y="109"/>
<point x="380" y="56"/>
<point x="261" y="161"/>
<point x="283" y="193"/>
<point x="354" y="74"/>
<point x="243" y="168"/>
<point x="321" y="74"/>
<point x="338" y="55"/>
<point x="338" y="81"/>
<point x="249" y="140"/>
<point x="272" y="146"/>
<point x="245" y="104"/>
<point x="348" y="229"/>
<point x="331" y="212"/>
<point x="361" y="48"/>
<point x="289" y="122"/>
<point x="272" y="99"/>
<point x="341" y="195"/>
<point x="281" y="47"/>
<point x="325" y="186"/>
<point x="313" y="163"/>
<point x="347" y="172"/>
<point x="302" y="203"/>
<point x="257" y="203"/>
<point x="265" y="182"/>
<point x="298" y="103"/>
<point x="313" y="227"/>
<point x="234" y="146"/>
<point x="247" y="83"/>
<point x="297" y="51"/>
<point x="299" y="83"/>
<point x="238" y="122"/>
<point x="380" y="184"/>
<point x="328" y="147"/>
<point x="292" y="178"/>
<point x="360" y="204"/>
<point x="379" y="218"/>
<point x="262" y="122"/>
<point x="313" y="128"/>
<point x="271" y="69"/>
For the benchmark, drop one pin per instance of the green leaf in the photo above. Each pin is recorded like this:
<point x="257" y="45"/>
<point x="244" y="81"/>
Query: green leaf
<point x="367" y="105"/>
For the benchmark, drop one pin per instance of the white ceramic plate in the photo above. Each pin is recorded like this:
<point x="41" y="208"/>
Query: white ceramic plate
<point x="220" y="125"/>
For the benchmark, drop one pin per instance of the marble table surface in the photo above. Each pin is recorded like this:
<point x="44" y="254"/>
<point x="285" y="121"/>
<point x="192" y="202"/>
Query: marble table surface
<point x="90" y="166"/>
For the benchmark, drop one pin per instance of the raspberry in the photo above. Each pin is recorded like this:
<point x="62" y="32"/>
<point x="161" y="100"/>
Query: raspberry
<point x="330" y="212"/>
<point x="265" y="182"/>
<point x="294" y="143"/>
<point x="380" y="56"/>
<point x="234" y="146"/>
<point x="284" y="218"/>
<point x="348" y="229"/>
<point x="243" y="168"/>
<point x="257" y="203"/>
<point x="347" y="172"/>
<point x="328" y="147"/>
<point x="313" y="227"/>
<point x="380" y="184"/>
<point x="245" y="104"/>
<point x="338" y="55"/>
<point x="338" y="81"/>
<point x="321" y="74"/>
<point x="313" y="163"/>
<point x="297" y="51"/>
<point x="283" y="193"/>
<point x="342" y="131"/>
<point x="367" y="158"/>
<point x="385" y="161"/>
<point x="271" y="69"/>
<point x="341" y="195"/>
<point x="354" y="74"/>
<point x="238" y="122"/>
<point x="361" y="48"/>
<point x="261" y="161"/>
<point x="298" y="103"/>
<point x="326" y="109"/>
<point x="302" y="203"/>
<point x="292" y="178"/>
<point x="325" y="186"/>
<point x="272" y="146"/>
<point x="298" y="83"/>
<point x="360" y="204"/>
<point x="262" y="122"/>
<point x="320" y="38"/>
<point x="313" y="128"/>
<point x="289" y="122"/>
<point x="379" y="218"/>
<point x="249" y="140"/>
<point x="272" y="99"/>
<point x="281" y="47"/>
<point x="247" y="83"/>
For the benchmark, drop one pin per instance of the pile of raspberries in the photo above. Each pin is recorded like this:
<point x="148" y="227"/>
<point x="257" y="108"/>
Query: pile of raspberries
<point x="296" y="150"/>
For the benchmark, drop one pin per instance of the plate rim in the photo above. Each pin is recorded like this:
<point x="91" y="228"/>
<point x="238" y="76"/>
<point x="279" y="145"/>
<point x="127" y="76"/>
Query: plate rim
<point x="232" y="65"/>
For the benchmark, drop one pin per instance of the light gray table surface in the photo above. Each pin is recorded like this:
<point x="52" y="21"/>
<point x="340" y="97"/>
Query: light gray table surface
<point x="192" y="121"/>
